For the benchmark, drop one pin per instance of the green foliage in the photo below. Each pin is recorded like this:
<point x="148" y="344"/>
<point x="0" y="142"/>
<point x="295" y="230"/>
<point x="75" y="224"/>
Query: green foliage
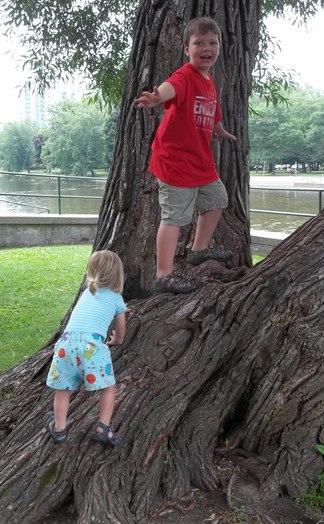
<point x="314" y="498"/>
<point x="303" y="8"/>
<point x="292" y="133"/>
<point x="273" y="84"/>
<point x="239" y="512"/>
<point x="256" y="259"/>
<point x="95" y="37"/>
<point x="37" y="285"/>
<point x="67" y="36"/>
<point x="38" y="144"/>
<point x="75" y="141"/>
<point x="320" y="448"/>
<point x="79" y="139"/>
<point x="17" y="151"/>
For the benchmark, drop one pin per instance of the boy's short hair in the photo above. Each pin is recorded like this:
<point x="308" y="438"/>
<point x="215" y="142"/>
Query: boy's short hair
<point x="201" y="25"/>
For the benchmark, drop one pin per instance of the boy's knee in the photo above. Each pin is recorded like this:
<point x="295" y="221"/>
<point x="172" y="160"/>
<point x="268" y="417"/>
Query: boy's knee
<point x="212" y="197"/>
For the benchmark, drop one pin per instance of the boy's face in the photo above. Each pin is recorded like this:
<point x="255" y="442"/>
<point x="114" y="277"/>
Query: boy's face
<point x="203" y="51"/>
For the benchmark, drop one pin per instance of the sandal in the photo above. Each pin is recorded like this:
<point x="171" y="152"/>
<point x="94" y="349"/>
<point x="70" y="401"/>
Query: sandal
<point x="114" y="439"/>
<point x="58" y="437"/>
<point x="174" y="284"/>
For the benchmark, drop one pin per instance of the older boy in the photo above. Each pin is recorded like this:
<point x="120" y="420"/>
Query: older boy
<point x="182" y="158"/>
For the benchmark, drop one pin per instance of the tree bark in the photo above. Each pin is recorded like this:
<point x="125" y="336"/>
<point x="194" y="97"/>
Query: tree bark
<point x="220" y="389"/>
<point x="129" y="216"/>
<point x="226" y="381"/>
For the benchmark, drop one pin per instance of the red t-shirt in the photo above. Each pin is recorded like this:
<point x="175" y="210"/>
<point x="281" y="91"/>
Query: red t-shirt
<point x="181" y="152"/>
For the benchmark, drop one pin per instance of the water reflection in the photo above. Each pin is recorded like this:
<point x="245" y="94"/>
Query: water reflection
<point x="49" y="187"/>
<point x="283" y="200"/>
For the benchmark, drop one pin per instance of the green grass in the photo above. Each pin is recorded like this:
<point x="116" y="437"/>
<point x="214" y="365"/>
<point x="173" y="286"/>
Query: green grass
<point x="314" y="498"/>
<point x="256" y="259"/>
<point x="37" y="287"/>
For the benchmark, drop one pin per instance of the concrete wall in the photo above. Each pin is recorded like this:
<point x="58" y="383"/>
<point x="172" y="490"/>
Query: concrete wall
<point x="46" y="230"/>
<point x="264" y="241"/>
<point x="25" y="230"/>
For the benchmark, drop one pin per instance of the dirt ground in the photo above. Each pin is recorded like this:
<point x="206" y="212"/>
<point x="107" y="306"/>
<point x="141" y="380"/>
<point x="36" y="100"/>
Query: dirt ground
<point x="199" y="507"/>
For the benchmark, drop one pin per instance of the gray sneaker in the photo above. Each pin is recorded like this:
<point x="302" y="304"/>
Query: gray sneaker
<point x="195" y="258"/>
<point x="176" y="284"/>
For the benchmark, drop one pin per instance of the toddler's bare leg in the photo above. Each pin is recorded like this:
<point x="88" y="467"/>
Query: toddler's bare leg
<point x="106" y="405"/>
<point x="166" y="245"/>
<point x="61" y="406"/>
<point x="206" y="225"/>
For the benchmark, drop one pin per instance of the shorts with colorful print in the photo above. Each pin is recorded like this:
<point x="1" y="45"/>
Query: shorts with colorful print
<point x="81" y="358"/>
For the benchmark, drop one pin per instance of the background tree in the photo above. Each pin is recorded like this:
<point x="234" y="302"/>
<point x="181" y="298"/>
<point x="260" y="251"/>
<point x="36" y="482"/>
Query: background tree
<point x="290" y="133"/>
<point x="95" y="38"/>
<point x="75" y="138"/>
<point x="38" y="144"/>
<point x="315" y="132"/>
<point x="92" y="37"/>
<point x="235" y="365"/>
<point x="17" y="151"/>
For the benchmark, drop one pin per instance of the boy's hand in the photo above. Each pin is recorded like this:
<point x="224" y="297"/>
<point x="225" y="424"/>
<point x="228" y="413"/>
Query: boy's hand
<point x="222" y="133"/>
<point x="149" y="99"/>
<point x="228" y="135"/>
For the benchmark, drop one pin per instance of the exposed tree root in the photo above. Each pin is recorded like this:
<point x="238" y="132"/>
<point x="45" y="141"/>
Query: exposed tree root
<point x="220" y="390"/>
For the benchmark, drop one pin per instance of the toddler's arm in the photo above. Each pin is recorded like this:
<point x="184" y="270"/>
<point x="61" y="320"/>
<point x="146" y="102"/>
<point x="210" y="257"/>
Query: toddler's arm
<point x="117" y="336"/>
<point x="222" y="133"/>
<point x="159" y="95"/>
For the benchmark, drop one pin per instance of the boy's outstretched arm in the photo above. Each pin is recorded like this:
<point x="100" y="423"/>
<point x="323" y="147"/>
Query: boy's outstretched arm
<point x="222" y="133"/>
<point x="159" y="95"/>
<point x="117" y="335"/>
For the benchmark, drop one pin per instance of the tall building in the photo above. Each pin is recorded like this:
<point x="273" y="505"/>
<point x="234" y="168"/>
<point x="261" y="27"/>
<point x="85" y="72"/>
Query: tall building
<point x="34" y="107"/>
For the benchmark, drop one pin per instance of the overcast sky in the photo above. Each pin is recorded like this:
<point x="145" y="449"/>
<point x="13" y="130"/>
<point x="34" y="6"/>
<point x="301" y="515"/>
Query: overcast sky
<point x="302" y="50"/>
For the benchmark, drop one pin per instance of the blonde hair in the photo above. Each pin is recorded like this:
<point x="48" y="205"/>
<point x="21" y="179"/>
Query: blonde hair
<point x="201" y="26"/>
<point x="105" y="269"/>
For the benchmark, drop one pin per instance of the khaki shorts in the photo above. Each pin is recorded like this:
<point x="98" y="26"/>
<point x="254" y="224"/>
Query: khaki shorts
<point x="179" y="203"/>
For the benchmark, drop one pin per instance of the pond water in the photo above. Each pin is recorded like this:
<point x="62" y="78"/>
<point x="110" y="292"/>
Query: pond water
<point x="265" y="198"/>
<point x="289" y="199"/>
<point x="49" y="186"/>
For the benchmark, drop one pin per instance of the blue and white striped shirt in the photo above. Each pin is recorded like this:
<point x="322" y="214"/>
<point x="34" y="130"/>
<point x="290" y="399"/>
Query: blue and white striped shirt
<point x="94" y="313"/>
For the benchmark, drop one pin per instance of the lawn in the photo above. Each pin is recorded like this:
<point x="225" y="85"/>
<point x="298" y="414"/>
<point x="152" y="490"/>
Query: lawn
<point x="256" y="259"/>
<point x="37" y="287"/>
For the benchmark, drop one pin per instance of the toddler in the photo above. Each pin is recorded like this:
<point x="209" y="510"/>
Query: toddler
<point x="81" y="355"/>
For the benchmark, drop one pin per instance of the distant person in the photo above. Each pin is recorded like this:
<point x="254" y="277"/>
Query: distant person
<point x="81" y="355"/>
<point x="182" y="158"/>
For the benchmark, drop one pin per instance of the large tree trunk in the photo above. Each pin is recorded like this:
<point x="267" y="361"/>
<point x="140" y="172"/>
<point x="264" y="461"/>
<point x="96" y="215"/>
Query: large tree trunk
<point x="227" y="382"/>
<point x="220" y="388"/>
<point x="129" y="216"/>
<point x="237" y="364"/>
